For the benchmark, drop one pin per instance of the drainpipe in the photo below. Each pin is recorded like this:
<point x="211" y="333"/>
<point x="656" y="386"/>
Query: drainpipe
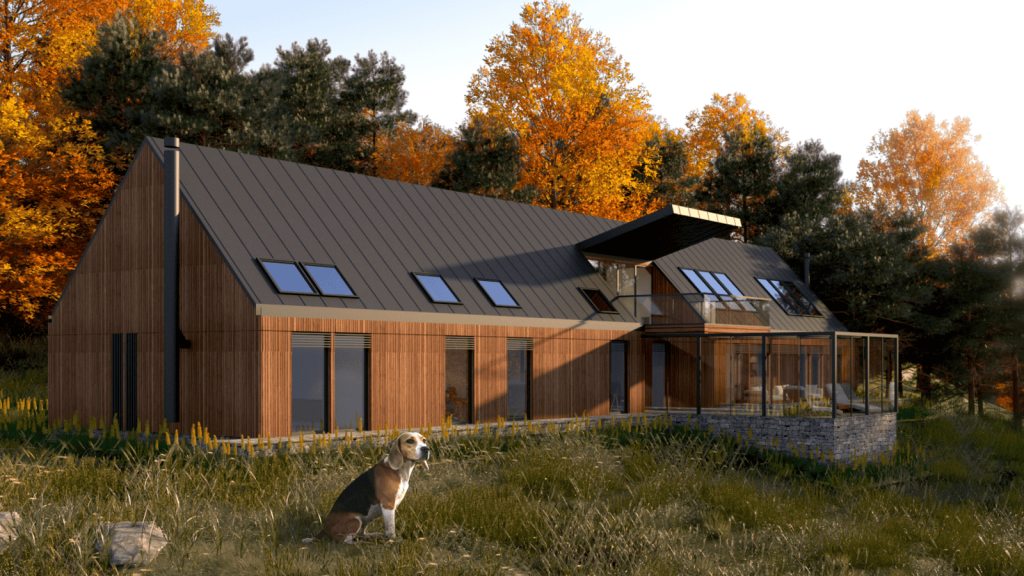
<point x="807" y="269"/>
<point x="171" y="327"/>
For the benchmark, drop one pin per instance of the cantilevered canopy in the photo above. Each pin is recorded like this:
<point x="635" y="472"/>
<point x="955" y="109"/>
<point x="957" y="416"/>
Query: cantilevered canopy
<point x="658" y="234"/>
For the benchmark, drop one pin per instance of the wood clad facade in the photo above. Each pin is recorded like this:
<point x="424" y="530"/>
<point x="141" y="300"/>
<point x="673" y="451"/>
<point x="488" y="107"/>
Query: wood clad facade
<point x="570" y="370"/>
<point x="117" y="288"/>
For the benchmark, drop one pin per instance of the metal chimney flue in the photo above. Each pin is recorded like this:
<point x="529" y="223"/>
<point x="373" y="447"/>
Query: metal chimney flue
<point x="807" y="269"/>
<point x="172" y="205"/>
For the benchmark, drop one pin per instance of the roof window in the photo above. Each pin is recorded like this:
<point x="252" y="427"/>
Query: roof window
<point x="328" y="280"/>
<point x="789" y="297"/>
<point x="718" y="287"/>
<point x="598" y="300"/>
<point x="497" y="293"/>
<point x="436" y="288"/>
<point x="287" y="277"/>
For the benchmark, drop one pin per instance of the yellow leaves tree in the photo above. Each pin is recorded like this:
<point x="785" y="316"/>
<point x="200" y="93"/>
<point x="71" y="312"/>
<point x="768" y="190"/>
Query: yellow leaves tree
<point x="931" y="170"/>
<point x="707" y="129"/>
<point x="53" y="175"/>
<point x="569" y="99"/>
<point x="414" y="153"/>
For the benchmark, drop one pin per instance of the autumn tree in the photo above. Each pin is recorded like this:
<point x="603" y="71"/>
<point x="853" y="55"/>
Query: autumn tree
<point x="414" y="153"/>
<point x="930" y="169"/>
<point x="569" y="100"/>
<point x="53" y="175"/>
<point x="707" y="130"/>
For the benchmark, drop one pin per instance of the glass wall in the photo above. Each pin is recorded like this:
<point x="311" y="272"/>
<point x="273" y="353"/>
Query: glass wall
<point x="458" y="380"/>
<point x="309" y="381"/>
<point x="351" y="379"/>
<point x="520" y="356"/>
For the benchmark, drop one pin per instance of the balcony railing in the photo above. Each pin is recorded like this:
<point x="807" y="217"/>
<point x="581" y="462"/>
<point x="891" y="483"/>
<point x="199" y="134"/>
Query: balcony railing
<point x="661" y="309"/>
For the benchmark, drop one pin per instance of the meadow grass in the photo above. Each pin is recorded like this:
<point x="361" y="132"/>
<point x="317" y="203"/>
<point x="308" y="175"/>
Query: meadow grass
<point x="642" y="498"/>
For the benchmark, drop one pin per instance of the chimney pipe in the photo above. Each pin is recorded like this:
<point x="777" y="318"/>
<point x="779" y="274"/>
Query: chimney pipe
<point x="807" y="269"/>
<point x="171" y="328"/>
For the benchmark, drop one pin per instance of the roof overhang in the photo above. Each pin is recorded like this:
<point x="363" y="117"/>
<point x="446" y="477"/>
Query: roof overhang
<point x="659" y="234"/>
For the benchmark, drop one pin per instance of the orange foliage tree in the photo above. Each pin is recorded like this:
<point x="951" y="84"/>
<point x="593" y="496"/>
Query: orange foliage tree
<point x="568" y="98"/>
<point x="931" y="170"/>
<point x="414" y="153"/>
<point x="705" y="135"/>
<point x="53" y="175"/>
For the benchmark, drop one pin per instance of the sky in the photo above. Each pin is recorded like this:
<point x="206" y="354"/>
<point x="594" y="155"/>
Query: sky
<point x="836" y="72"/>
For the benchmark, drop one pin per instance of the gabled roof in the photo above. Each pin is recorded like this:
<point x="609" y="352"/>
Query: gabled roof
<point x="744" y="264"/>
<point x="377" y="232"/>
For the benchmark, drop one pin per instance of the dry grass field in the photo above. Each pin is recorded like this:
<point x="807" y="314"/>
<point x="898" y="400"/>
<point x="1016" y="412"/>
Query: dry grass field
<point x="643" y="499"/>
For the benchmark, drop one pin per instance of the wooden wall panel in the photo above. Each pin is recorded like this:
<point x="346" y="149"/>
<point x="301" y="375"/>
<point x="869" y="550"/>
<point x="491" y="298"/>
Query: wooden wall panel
<point x="636" y="371"/>
<point x="220" y="371"/>
<point x="570" y="369"/>
<point x="117" y="287"/>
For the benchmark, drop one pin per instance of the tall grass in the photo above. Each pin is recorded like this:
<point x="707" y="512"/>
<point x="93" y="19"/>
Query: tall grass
<point x="642" y="499"/>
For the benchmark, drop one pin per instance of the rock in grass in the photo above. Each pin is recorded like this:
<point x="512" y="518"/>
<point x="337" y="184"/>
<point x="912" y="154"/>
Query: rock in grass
<point x="131" y="542"/>
<point x="8" y="522"/>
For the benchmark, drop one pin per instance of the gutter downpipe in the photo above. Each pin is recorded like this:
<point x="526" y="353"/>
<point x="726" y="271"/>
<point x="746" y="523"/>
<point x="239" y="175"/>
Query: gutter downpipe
<point x="172" y="207"/>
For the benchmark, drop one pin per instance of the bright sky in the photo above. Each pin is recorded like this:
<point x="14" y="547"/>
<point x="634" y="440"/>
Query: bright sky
<point x="838" y="72"/>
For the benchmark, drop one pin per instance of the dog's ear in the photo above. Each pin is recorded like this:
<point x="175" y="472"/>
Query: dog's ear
<point x="396" y="458"/>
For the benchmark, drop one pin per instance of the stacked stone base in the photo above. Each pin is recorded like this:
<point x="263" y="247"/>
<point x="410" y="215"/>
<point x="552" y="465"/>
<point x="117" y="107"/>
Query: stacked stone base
<point x="845" y="439"/>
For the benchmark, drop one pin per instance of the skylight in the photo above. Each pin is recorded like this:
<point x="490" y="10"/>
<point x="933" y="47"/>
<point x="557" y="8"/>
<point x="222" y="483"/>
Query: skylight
<point x="287" y="278"/>
<point x="496" y="291"/>
<point x="436" y="288"/>
<point x="718" y="287"/>
<point x="328" y="280"/>
<point x="789" y="297"/>
<point x="601" y="304"/>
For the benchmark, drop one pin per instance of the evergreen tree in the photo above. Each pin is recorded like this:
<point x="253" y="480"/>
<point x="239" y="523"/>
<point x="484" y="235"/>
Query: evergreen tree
<point x="375" y="88"/>
<point x="486" y="161"/>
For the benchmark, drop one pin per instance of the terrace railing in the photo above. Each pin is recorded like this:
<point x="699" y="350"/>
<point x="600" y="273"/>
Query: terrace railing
<point x="662" y="309"/>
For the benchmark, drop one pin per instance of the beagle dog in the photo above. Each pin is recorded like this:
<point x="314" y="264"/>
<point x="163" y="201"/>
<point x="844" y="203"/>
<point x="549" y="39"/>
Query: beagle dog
<point x="375" y="493"/>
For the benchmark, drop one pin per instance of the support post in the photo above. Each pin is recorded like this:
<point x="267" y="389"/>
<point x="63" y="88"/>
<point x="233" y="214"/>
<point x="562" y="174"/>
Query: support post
<point x="764" y="376"/>
<point x="835" y="370"/>
<point x="700" y="382"/>
<point x="867" y="373"/>
<point x="898" y="370"/>
<point x="171" y="328"/>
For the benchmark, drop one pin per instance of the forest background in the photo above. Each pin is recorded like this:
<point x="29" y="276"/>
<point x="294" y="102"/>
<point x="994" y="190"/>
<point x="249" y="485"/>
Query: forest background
<point x="919" y="242"/>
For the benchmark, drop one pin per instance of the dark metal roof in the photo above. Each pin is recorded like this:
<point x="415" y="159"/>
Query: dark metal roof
<point x="744" y="264"/>
<point x="379" y="231"/>
<point x="659" y="234"/>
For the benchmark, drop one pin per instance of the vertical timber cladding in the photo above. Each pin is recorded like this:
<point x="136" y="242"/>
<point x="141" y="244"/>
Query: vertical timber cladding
<point x="407" y="372"/>
<point x="116" y="288"/>
<point x="219" y="372"/>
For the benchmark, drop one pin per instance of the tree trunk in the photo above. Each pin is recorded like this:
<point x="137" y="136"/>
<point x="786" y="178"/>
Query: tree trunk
<point x="970" y="387"/>
<point x="1018" y="410"/>
<point x="924" y="382"/>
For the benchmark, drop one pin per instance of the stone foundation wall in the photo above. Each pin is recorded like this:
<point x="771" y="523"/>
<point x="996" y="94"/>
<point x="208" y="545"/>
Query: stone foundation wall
<point x="847" y="438"/>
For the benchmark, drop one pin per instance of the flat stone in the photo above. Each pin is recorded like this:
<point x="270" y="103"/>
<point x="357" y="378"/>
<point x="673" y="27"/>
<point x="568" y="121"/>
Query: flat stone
<point x="131" y="542"/>
<point x="8" y="522"/>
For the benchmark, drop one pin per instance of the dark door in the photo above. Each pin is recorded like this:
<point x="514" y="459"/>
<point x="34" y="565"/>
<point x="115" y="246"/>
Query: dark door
<point x="351" y="378"/>
<point x="659" y="354"/>
<point x="617" y="385"/>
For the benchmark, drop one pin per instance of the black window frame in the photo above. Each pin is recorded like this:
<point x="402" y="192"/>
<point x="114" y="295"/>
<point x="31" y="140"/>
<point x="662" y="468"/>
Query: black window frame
<point x="415" y="276"/>
<point x="503" y="287"/>
<point x="317" y="287"/>
<point x="298" y="266"/>
<point x="586" y="297"/>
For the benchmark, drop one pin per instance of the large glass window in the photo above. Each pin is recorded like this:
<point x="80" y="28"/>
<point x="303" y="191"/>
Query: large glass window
<point x="718" y="286"/>
<point x="520" y="356"/>
<point x="309" y="381"/>
<point x="436" y="288"/>
<point x="617" y="384"/>
<point x="458" y="378"/>
<point x="328" y="280"/>
<point x="287" y="278"/>
<point x="351" y="379"/>
<point x="496" y="291"/>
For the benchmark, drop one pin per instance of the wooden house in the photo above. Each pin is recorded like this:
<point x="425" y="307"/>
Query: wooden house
<point x="260" y="297"/>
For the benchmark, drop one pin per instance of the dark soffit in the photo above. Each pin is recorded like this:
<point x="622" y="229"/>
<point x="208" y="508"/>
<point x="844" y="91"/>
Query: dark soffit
<point x="659" y="234"/>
